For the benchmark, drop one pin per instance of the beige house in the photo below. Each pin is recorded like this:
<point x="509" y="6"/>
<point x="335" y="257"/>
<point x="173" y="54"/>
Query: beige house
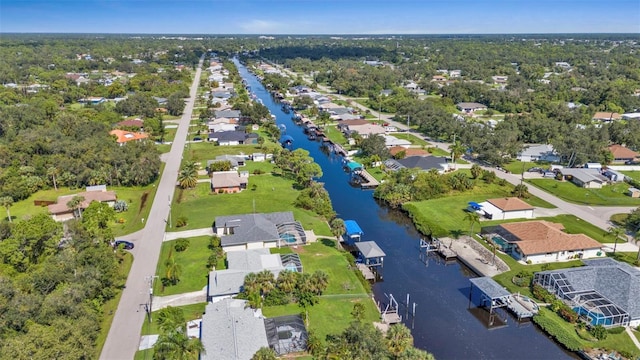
<point x="229" y="181"/>
<point x="60" y="211"/>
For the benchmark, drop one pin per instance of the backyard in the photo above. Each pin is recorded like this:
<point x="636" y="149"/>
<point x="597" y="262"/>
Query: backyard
<point x="609" y="195"/>
<point x="272" y="193"/>
<point x="193" y="262"/>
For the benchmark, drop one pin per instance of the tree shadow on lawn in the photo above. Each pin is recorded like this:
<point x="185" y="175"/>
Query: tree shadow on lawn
<point x="328" y="242"/>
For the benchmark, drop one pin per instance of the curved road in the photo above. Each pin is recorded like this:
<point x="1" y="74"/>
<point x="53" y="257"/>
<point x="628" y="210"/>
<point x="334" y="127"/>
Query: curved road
<point x="124" y="334"/>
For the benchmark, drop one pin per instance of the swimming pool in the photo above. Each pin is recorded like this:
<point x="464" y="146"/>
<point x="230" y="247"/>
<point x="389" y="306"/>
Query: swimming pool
<point x="288" y="238"/>
<point x="502" y="243"/>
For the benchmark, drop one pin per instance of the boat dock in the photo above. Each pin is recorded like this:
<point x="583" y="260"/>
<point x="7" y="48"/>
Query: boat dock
<point x="369" y="182"/>
<point x="446" y="253"/>
<point x="436" y="245"/>
<point x="390" y="313"/>
<point x="366" y="272"/>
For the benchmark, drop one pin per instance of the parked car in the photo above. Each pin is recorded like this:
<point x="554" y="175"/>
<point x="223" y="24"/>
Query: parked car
<point x="127" y="245"/>
<point x="535" y="169"/>
<point x="197" y="139"/>
<point x="549" y="174"/>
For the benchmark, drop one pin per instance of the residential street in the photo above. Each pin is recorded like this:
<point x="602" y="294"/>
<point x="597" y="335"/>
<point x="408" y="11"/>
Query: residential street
<point x="124" y="334"/>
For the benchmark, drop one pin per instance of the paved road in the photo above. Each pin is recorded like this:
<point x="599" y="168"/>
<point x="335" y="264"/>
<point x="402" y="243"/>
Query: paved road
<point x="124" y="334"/>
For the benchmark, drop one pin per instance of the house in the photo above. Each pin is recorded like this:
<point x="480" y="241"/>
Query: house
<point x="622" y="154"/>
<point x="258" y="157"/>
<point x="228" y="282"/>
<point x="123" y="136"/>
<point x="366" y="130"/>
<point x="386" y="92"/>
<point x="235" y="160"/>
<point x="261" y="230"/>
<point x="369" y="253"/>
<point x="92" y="100"/>
<point x="60" y="211"/>
<point x="391" y="141"/>
<point x="425" y="163"/>
<point x="231" y="114"/>
<point x="506" y="208"/>
<point x="542" y="242"/>
<point x="455" y="74"/>
<point x="470" y="107"/>
<point x="604" y="291"/>
<point x="161" y="101"/>
<point x="596" y="166"/>
<point x="500" y="79"/>
<point x="606" y="116"/>
<point x="438" y="78"/>
<point x="536" y="152"/>
<point x="229" y="181"/>
<point x="226" y="138"/>
<point x="230" y="329"/>
<point x="633" y="192"/>
<point x="220" y="127"/>
<point x="586" y="178"/>
<point x="631" y="116"/>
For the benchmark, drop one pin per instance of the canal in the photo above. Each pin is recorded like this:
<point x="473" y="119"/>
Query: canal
<point x="443" y="324"/>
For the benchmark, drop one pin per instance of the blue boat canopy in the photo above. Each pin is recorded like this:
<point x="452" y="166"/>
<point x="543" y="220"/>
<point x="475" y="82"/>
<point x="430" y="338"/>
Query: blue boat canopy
<point x="474" y="205"/>
<point x="353" y="229"/>
<point x="352" y="165"/>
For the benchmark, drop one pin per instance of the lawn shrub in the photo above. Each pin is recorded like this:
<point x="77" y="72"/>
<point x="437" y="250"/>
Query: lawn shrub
<point x="559" y="333"/>
<point x="616" y="330"/>
<point x="598" y="332"/>
<point x="568" y="314"/>
<point x="542" y="294"/>
<point x="182" y="221"/>
<point x="181" y="245"/>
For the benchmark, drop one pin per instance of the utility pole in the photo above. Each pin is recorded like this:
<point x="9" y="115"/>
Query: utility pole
<point x="169" y="196"/>
<point x="149" y="305"/>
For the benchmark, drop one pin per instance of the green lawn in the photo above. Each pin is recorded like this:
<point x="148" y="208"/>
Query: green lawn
<point x="109" y="307"/>
<point x="610" y="195"/>
<point x="331" y="315"/>
<point x="335" y="135"/>
<point x="132" y="218"/>
<point x="632" y="174"/>
<point x="410" y="137"/>
<point x="201" y="152"/>
<point x="436" y="151"/>
<point x="518" y="167"/>
<point x="194" y="266"/>
<point x="273" y="193"/>
<point x="191" y="312"/>
<point x="322" y="255"/>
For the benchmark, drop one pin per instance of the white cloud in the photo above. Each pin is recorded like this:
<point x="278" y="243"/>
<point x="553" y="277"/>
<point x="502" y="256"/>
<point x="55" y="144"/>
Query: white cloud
<point x="261" y="26"/>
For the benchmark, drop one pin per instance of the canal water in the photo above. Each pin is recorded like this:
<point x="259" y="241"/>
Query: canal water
<point x="443" y="323"/>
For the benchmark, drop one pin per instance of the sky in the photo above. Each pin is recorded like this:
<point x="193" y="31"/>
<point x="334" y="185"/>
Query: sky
<point x="321" y="17"/>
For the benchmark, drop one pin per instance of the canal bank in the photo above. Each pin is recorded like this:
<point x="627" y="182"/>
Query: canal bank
<point x="444" y="324"/>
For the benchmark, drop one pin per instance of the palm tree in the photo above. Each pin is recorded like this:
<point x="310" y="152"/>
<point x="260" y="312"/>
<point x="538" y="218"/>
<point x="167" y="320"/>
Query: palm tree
<point x="7" y="201"/>
<point x="521" y="191"/>
<point x="188" y="177"/>
<point x="266" y="281"/>
<point x="173" y="269"/>
<point x="264" y="353"/>
<point x="337" y="227"/>
<point x="53" y="172"/>
<point x="358" y="311"/>
<point x="457" y="149"/>
<point x="319" y="281"/>
<point x="177" y="345"/>
<point x="287" y="281"/>
<point x="251" y="283"/>
<point x="170" y="319"/>
<point x="616" y="233"/>
<point x="474" y="219"/>
<point x="399" y="339"/>
<point x="74" y="204"/>
<point x="476" y="171"/>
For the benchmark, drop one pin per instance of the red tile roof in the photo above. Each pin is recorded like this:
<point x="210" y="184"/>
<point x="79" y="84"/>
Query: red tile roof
<point x="60" y="207"/>
<point x="540" y="237"/>
<point x="125" y="136"/>
<point x="510" y="204"/>
<point x="621" y="152"/>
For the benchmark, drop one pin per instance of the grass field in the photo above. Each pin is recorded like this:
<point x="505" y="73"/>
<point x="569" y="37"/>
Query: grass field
<point x="139" y="200"/>
<point x="194" y="266"/>
<point x="335" y="135"/>
<point x="322" y="255"/>
<point x="632" y="174"/>
<point x="518" y="167"/>
<point x="273" y="193"/>
<point x="203" y="151"/>
<point x="610" y="195"/>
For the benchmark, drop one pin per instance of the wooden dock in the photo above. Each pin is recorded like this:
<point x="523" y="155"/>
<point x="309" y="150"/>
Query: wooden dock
<point x="366" y="272"/>
<point x="446" y="253"/>
<point x="391" y="318"/>
<point x="369" y="181"/>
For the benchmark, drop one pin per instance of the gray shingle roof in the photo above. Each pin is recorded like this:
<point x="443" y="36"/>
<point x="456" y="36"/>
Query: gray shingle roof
<point x="248" y="228"/>
<point x="227" y="114"/>
<point x="584" y="175"/>
<point x="232" y="331"/>
<point x="618" y="282"/>
<point x="489" y="287"/>
<point x="423" y="162"/>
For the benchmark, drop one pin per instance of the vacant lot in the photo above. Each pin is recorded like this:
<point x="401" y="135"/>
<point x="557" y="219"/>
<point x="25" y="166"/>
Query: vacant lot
<point x="610" y="195"/>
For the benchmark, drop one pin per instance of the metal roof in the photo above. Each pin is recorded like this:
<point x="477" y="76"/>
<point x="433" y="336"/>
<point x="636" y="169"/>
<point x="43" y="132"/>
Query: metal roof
<point x="353" y="228"/>
<point x="489" y="287"/>
<point x="369" y="249"/>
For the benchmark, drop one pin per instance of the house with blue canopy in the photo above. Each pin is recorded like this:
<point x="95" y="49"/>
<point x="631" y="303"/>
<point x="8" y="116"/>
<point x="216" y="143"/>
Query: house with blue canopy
<point x="354" y="166"/>
<point x="353" y="230"/>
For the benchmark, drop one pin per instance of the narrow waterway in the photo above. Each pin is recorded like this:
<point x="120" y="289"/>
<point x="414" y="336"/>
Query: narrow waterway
<point x="443" y="324"/>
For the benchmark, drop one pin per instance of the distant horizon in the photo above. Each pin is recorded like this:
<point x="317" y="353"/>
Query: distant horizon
<point x="323" y="35"/>
<point x="328" y="17"/>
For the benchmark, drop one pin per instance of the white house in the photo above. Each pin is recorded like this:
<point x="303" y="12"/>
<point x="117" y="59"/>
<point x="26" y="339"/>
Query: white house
<point x="536" y="152"/>
<point x="256" y="231"/>
<point x="507" y="208"/>
<point x="538" y="242"/>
